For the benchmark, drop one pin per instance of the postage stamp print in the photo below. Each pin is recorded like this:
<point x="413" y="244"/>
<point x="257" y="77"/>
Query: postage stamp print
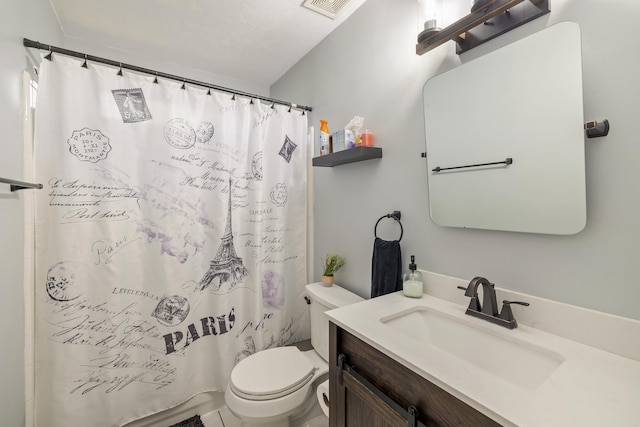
<point x="179" y="134"/>
<point x="287" y="149"/>
<point x="279" y="194"/>
<point x="89" y="145"/>
<point x="132" y="105"/>
<point x="172" y="310"/>
<point x="204" y="132"/>
<point x="256" y="166"/>
<point x="64" y="281"/>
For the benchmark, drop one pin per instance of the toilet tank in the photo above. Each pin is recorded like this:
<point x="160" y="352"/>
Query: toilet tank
<point x="325" y="298"/>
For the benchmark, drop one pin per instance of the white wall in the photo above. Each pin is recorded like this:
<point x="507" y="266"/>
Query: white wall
<point x="368" y="67"/>
<point x="166" y="67"/>
<point x="33" y="19"/>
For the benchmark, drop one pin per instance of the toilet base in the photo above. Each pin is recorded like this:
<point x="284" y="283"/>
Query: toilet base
<point x="319" y="421"/>
<point x="312" y="418"/>
<point x="308" y="416"/>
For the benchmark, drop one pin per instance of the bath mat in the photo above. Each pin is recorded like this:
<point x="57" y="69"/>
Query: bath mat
<point x="194" y="421"/>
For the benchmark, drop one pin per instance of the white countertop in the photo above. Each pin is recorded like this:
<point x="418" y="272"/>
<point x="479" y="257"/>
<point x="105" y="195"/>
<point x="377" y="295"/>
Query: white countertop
<point x="591" y="387"/>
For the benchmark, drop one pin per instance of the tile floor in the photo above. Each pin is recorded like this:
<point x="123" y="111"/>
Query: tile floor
<point x="220" y="418"/>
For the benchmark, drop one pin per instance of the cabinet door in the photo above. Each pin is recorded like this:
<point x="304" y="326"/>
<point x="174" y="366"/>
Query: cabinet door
<point x="363" y="408"/>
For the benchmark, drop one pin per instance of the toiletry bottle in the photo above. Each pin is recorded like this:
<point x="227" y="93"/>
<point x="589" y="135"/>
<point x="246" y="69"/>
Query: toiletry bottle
<point x="412" y="280"/>
<point x="324" y="138"/>
<point x="367" y="138"/>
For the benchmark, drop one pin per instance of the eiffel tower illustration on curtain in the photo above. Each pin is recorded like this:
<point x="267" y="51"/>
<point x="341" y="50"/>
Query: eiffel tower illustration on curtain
<point x="227" y="266"/>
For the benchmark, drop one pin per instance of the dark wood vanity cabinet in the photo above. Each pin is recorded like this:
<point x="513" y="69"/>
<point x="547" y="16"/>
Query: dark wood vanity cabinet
<point x="368" y="388"/>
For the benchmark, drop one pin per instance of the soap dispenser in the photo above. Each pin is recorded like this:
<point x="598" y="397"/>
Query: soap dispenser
<point x="412" y="281"/>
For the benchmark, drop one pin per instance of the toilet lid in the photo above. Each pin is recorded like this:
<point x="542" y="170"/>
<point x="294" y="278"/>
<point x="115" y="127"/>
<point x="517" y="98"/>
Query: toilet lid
<point x="271" y="373"/>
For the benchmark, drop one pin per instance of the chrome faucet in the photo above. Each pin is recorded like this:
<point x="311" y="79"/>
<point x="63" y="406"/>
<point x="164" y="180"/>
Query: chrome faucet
<point x="488" y="310"/>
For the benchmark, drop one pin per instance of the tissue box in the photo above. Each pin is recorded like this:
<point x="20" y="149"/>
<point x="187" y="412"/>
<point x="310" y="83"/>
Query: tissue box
<point x="343" y="140"/>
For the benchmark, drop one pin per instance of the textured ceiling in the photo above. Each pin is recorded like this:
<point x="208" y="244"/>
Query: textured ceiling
<point x="252" y="40"/>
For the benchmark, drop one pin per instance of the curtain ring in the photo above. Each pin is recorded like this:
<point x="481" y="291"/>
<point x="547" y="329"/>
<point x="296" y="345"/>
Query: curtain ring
<point x="84" y="64"/>
<point x="375" y="229"/>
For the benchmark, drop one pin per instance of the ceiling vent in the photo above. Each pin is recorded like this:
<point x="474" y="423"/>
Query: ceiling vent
<point x="329" y="8"/>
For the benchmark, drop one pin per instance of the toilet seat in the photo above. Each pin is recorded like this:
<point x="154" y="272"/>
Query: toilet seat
<point x="272" y="373"/>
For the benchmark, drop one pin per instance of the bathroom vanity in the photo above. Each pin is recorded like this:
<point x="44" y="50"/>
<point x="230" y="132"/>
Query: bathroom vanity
<point x="395" y="359"/>
<point x="366" y="386"/>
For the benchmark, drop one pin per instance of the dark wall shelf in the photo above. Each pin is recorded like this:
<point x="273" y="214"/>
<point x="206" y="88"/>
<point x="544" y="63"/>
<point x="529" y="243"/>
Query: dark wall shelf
<point x="351" y="155"/>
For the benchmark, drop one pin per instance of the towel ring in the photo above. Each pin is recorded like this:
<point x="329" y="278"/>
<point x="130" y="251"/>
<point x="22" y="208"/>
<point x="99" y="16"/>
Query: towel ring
<point x="395" y="215"/>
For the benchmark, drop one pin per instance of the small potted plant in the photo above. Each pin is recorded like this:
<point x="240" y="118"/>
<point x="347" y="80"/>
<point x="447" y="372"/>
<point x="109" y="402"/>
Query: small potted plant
<point x="332" y="263"/>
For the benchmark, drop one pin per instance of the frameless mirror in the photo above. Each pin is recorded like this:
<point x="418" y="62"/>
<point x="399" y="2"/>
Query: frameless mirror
<point x="505" y="138"/>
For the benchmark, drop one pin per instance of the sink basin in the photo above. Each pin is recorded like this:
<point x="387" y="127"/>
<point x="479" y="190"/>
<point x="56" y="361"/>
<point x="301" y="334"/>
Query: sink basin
<point x="516" y="361"/>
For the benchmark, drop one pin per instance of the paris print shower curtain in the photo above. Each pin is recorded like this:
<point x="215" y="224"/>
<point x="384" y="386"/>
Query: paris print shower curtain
<point x="170" y="241"/>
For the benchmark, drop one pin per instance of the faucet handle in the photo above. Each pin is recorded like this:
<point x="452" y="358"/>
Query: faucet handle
<point x="507" y="314"/>
<point x="526" y="304"/>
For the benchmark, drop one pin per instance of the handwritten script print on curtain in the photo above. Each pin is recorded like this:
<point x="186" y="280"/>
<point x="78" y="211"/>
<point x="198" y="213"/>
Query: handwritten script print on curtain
<point x="170" y="241"/>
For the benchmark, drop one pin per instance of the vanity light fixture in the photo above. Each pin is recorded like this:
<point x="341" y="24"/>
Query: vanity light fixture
<point x="429" y="18"/>
<point x="485" y="20"/>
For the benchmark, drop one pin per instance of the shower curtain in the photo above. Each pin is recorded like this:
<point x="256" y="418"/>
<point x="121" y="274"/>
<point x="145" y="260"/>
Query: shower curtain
<point x="170" y="240"/>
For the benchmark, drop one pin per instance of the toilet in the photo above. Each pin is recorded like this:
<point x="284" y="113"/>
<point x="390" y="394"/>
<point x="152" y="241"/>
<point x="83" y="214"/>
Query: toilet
<point x="274" y="387"/>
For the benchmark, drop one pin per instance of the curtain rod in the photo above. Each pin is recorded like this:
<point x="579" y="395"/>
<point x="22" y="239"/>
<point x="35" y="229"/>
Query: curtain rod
<point x="38" y="45"/>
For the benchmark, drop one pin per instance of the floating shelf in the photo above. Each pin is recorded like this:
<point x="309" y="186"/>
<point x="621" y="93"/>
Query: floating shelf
<point x="496" y="18"/>
<point x="351" y="155"/>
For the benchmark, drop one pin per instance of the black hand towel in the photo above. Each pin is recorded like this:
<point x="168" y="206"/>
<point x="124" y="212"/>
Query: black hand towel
<point x="386" y="267"/>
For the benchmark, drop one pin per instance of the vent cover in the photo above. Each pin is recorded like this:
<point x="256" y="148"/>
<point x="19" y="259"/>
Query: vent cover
<point x="329" y="8"/>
